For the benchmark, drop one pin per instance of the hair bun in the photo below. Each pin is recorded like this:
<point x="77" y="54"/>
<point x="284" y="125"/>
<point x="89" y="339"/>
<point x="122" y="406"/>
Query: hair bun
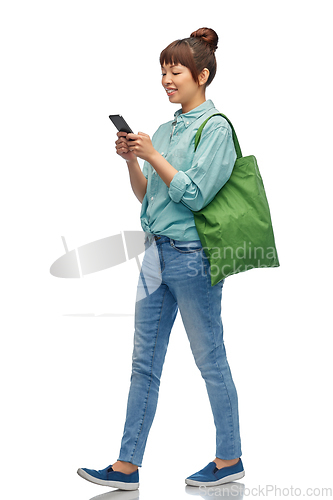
<point x="207" y="35"/>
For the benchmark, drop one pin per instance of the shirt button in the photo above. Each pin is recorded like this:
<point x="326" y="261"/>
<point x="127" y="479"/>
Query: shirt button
<point x="152" y="198"/>
<point x="187" y="123"/>
<point x="162" y="154"/>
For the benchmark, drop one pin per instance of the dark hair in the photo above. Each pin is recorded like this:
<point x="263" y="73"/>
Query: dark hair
<point x="196" y="53"/>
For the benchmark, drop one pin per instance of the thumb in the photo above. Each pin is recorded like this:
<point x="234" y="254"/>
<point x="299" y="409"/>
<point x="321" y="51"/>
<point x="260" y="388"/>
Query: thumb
<point x="142" y="133"/>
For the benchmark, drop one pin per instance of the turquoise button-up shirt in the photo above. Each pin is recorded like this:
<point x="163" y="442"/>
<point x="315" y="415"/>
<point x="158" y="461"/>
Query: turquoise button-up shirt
<point x="168" y="210"/>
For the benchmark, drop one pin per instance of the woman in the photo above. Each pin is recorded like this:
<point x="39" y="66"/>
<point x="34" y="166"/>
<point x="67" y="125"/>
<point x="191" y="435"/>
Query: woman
<point x="175" y="271"/>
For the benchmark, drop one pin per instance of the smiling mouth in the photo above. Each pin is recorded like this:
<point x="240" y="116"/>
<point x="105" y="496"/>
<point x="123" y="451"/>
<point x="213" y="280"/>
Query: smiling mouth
<point x="171" y="91"/>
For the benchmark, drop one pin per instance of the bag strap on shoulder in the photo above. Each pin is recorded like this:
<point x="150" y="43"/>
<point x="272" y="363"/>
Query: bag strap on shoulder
<point x="234" y="136"/>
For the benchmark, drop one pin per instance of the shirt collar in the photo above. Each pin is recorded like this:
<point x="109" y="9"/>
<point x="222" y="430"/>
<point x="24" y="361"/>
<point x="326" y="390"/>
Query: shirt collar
<point x="195" y="113"/>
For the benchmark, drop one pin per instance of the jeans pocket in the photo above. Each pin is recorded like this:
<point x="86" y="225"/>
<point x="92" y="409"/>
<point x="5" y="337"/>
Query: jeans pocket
<point x="186" y="246"/>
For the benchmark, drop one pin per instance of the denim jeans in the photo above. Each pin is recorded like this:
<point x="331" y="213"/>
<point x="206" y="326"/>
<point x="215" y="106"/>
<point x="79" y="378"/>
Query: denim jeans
<point x="176" y="275"/>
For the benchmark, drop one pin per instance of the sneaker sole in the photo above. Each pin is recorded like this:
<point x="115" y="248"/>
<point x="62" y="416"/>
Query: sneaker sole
<point x="223" y="480"/>
<point x="113" y="484"/>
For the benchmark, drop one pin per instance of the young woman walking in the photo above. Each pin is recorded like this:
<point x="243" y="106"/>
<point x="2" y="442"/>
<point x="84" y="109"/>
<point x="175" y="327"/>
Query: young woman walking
<point x="175" y="271"/>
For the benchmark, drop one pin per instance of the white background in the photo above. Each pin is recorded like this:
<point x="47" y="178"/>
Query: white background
<point x="66" y="66"/>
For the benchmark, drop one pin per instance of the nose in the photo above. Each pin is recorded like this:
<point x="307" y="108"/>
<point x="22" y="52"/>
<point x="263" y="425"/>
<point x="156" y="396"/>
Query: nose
<point x="166" y="80"/>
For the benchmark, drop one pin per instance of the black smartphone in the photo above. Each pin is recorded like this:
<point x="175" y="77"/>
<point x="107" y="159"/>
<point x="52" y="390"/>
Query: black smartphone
<point x="119" y="122"/>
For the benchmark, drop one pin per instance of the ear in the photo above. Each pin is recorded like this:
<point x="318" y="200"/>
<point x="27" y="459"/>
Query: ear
<point x="203" y="77"/>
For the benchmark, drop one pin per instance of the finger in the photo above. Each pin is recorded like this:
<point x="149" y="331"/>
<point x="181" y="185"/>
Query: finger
<point x="132" y="147"/>
<point x="122" y="140"/>
<point x="121" y="134"/>
<point x="142" y="133"/>
<point x="122" y="144"/>
<point x="122" y="148"/>
<point x="132" y="137"/>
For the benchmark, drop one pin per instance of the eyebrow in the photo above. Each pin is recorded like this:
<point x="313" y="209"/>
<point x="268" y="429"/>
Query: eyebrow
<point x="172" y="66"/>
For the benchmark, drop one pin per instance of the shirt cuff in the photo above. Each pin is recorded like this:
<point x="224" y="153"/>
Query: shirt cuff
<point x="178" y="186"/>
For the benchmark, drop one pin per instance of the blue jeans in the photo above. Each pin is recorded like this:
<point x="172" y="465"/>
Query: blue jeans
<point x="175" y="274"/>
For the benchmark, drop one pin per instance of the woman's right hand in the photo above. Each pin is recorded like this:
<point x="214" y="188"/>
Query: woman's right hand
<point x="122" y="147"/>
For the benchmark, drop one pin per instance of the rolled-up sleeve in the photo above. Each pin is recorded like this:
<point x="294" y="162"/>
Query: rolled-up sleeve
<point x="211" y="168"/>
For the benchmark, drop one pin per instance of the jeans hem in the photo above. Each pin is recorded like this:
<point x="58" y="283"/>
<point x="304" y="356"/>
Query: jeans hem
<point x="130" y="461"/>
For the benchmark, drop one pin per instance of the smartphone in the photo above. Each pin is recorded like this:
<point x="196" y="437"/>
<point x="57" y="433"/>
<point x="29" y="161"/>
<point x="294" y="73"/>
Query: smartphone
<point x="120" y="124"/>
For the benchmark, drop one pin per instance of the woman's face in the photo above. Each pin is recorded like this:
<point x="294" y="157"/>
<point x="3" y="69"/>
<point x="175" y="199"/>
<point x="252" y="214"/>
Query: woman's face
<point x="180" y="87"/>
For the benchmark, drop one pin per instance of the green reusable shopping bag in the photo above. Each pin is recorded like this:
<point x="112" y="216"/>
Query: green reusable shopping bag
<point x="235" y="228"/>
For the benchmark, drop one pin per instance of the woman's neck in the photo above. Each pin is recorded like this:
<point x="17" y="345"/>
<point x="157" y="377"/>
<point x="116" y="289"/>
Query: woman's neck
<point x="186" y="107"/>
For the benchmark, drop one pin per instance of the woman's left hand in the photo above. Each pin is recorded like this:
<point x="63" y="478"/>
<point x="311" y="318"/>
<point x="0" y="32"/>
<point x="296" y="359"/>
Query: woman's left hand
<point x="141" y="145"/>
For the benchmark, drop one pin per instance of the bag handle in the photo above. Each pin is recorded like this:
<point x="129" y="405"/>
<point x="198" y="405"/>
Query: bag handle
<point x="234" y="136"/>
